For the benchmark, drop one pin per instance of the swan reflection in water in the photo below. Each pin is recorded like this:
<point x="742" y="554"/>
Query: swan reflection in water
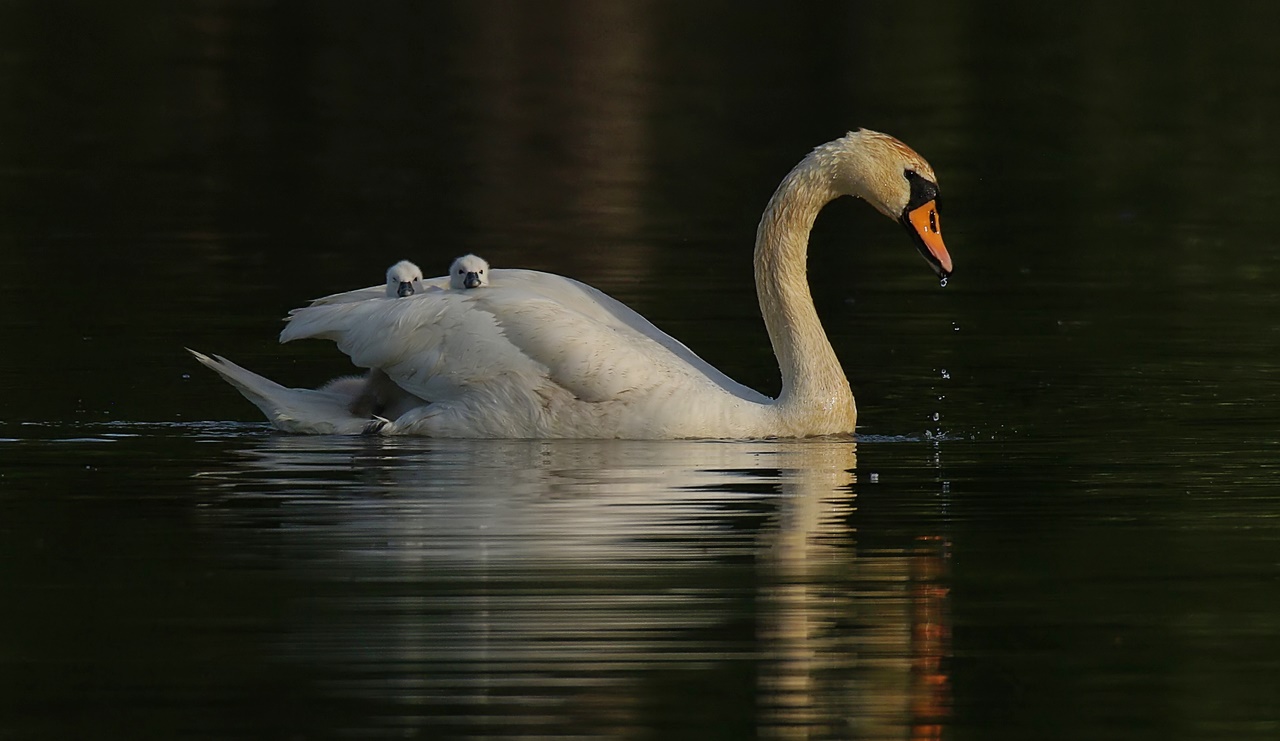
<point x="570" y="585"/>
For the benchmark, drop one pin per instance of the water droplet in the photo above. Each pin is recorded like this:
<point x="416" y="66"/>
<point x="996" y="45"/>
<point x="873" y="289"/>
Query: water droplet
<point x="942" y="281"/>
<point x="875" y="478"/>
<point x="955" y="327"/>
<point x="935" y="416"/>
<point x="945" y="374"/>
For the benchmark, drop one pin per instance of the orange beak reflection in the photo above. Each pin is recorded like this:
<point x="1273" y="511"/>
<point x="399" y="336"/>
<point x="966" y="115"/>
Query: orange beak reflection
<point x="925" y="229"/>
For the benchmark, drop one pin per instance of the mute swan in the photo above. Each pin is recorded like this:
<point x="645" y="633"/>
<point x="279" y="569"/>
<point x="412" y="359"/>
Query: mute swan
<point x="540" y="355"/>
<point x="403" y="279"/>
<point x="468" y="271"/>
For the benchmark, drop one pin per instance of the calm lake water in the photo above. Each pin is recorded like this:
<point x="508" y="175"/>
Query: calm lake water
<point x="1059" y="519"/>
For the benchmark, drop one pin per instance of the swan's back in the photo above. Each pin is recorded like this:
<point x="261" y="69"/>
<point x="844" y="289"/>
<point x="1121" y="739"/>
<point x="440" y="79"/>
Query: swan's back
<point x="573" y="329"/>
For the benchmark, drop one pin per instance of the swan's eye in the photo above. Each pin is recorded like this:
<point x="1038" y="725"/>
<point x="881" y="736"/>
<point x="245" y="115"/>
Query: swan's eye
<point x="922" y="189"/>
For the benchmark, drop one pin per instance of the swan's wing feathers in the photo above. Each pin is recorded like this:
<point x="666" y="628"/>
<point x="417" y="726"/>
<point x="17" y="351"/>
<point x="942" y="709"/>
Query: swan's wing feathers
<point x="433" y="345"/>
<point x="439" y="345"/>
<point x="592" y="303"/>
<point x="588" y="355"/>
<point x="376" y="334"/>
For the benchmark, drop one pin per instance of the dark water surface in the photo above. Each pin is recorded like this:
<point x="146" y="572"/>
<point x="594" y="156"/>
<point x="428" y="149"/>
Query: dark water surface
<point x="1060" y="517"/>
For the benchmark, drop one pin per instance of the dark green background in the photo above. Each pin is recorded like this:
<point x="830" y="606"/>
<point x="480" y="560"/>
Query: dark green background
<point x="1100" y="481"/>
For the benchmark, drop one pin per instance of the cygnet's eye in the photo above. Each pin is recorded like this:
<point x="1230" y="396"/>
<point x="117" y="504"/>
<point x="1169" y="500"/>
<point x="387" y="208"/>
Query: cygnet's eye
<point x="481" y="271"/>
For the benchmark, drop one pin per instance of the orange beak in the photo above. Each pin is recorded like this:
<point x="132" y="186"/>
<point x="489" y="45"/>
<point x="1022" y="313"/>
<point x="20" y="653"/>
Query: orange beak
<point x="925" y="230"/>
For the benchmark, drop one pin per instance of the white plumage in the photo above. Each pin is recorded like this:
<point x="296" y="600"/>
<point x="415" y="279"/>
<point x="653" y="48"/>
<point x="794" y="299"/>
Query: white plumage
<point x="540" y="355"/>
<point x="519" y="358"/>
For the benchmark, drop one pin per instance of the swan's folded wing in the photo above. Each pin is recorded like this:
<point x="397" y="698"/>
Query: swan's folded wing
<point x="570" y="294"/>
<point x="439" y="345"/>
<point x="434" y="345"/>
<point x="591" y="356"/>
<point x="597" y="305"/>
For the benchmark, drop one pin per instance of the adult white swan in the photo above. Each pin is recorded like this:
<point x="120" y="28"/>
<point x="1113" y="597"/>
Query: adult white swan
<point x="540" y="355"/>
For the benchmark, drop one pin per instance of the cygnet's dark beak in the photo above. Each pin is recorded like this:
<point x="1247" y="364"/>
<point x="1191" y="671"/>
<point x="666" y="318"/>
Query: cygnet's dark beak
<point x="405" y="289"/>
<point x="471" y="281"/>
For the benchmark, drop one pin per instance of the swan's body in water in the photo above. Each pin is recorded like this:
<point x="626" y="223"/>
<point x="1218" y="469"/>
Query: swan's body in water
<point x="540" y="355"/>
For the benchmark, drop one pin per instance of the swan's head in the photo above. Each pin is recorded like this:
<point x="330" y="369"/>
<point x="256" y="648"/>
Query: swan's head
<point x="403" y="279"/>
<point x="897" y="182"/>
<point x="468" y="271"/>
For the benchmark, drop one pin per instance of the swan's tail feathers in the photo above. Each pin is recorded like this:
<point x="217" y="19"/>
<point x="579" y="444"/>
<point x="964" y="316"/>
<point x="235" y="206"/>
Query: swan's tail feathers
<point x="322" y="411"/>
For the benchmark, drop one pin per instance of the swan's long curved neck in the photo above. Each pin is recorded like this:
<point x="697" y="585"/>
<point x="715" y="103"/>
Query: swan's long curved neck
<point x="812" y="380"/>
